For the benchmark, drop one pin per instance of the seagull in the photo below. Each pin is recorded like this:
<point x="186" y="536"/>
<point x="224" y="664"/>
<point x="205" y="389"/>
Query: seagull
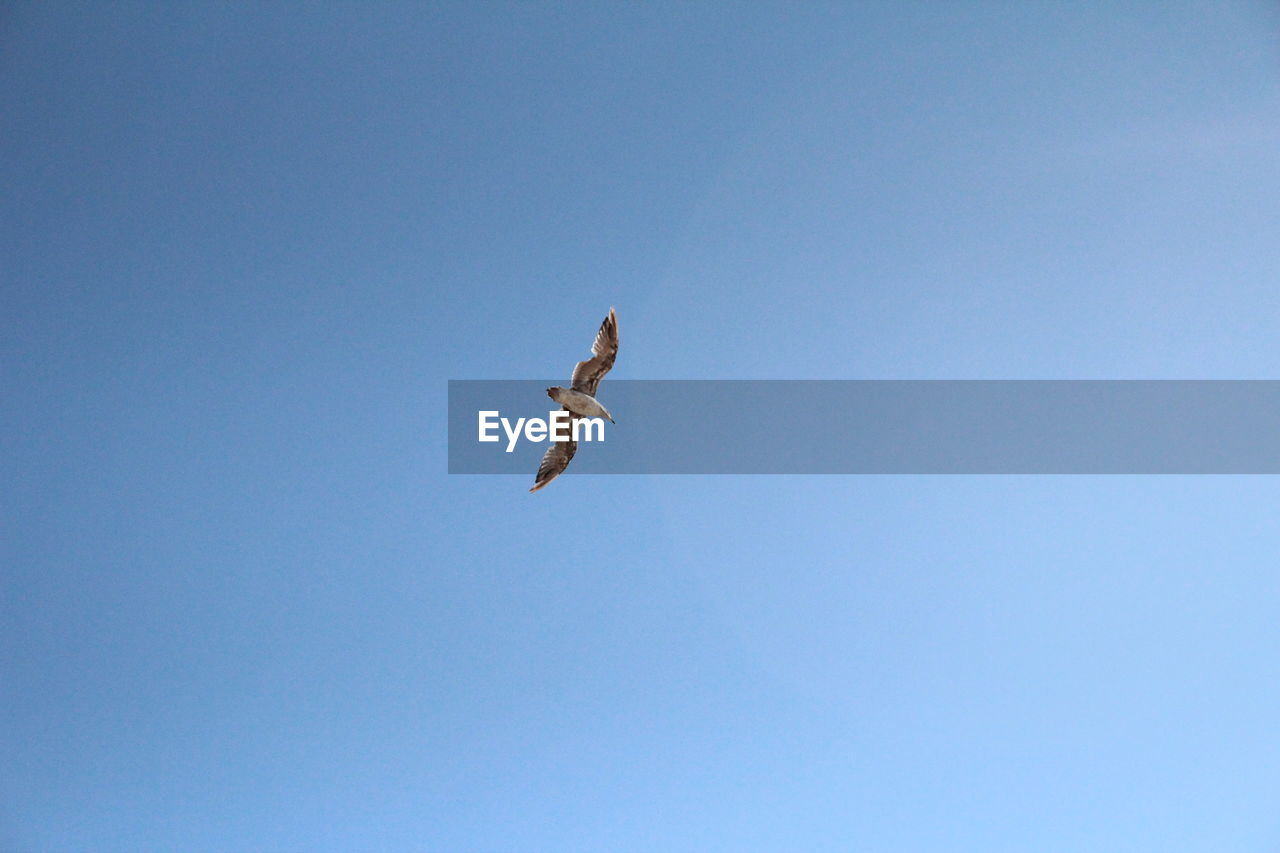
<point x="579" y="400"/>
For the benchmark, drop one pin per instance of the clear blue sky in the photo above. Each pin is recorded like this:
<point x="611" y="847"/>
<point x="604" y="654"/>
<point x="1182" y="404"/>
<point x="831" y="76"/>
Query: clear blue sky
<point x="244" y="246"/>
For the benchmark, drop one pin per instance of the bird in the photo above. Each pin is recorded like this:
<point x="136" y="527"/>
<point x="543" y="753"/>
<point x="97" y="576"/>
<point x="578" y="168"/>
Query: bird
<point x="579" y="400"/>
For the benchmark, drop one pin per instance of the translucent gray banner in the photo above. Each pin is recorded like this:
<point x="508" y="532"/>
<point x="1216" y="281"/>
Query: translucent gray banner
<point x="887" y="427"/>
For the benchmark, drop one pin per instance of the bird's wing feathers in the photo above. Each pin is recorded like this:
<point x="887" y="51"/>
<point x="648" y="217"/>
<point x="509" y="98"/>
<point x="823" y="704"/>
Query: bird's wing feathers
<point x="556" y="459"/>
<point x="587" y="375"/>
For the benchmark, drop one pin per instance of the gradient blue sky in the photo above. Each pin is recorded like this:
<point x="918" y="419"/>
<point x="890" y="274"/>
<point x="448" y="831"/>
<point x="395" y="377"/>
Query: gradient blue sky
<point x="245" y="245"/>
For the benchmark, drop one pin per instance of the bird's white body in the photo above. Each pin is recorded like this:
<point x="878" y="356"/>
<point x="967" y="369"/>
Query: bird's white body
<point x="582" y="405"/>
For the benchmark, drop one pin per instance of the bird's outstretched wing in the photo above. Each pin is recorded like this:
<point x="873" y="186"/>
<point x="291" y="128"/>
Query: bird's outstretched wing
<point x="587" y="375"/>
<point x="556" y="459"/>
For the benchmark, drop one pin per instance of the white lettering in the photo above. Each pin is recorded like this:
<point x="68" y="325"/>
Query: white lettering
<point x="589" y="423"/>
<point x="486" y="425"/>
<point x="512" y="434"/>
<point x="559" y="425"/>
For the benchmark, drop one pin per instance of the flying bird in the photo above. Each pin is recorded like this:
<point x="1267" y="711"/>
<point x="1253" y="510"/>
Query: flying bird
<point x="579" y="400"/>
